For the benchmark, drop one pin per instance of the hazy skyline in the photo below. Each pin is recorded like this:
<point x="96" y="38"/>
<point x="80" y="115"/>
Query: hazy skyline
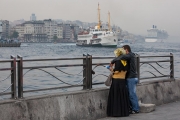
<point x="135" y="16"/>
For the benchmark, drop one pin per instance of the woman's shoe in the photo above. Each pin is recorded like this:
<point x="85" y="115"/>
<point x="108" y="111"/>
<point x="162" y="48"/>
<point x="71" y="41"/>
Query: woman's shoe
<point x="134" y="112"/>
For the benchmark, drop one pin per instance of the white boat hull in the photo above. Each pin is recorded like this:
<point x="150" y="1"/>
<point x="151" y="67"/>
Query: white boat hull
<point x="153" y="40"/>
<point x="105" y="40"/>
<point x="150" y="40"/>
<point x="109" y="41"/>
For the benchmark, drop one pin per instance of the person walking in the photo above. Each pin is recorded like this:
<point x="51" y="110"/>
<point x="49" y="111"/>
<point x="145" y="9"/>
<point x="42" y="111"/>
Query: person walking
<point x="131" y="77"/>
<point x="118" y="98"/>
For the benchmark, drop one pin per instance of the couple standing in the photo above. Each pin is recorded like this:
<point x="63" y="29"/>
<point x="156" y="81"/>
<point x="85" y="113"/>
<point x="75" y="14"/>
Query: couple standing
<point x="122" y="99"/>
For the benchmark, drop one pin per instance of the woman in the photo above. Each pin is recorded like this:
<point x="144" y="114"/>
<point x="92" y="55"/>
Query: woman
<point x="118" y="99"/>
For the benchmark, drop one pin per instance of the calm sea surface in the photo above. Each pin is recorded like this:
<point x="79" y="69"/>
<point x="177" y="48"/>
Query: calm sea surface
<point x="36" y="79"/>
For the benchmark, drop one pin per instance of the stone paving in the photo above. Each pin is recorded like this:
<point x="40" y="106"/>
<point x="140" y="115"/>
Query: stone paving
<point x="169" y="111"/>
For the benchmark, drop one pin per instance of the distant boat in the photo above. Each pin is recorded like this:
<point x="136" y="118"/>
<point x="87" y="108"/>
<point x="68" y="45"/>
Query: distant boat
<point x="10" y="43"/>
<point x="98" y="37"/>
<point x="24" y="45"/>
<point x="156" y="35"/>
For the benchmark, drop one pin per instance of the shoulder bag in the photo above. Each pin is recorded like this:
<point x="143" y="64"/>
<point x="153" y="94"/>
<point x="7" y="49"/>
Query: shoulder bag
<point x="109" y="80"/>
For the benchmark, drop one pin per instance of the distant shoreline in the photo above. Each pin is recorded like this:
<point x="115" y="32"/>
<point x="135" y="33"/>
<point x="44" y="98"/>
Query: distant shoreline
<point x="48" y="42"/>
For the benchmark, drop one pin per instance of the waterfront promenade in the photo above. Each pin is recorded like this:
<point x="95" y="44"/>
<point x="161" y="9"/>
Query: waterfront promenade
<point x="170" y="111"/>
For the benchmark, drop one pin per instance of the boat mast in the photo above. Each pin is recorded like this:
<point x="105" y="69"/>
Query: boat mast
<point x="99" y="21"/>
<point x="109" y="25"/>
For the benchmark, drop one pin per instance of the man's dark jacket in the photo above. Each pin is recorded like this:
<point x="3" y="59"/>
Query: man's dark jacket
<point x="130" y="58"/>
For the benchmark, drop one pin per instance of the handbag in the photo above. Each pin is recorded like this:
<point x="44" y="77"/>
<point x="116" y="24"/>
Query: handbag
<point x="109" y="80"/>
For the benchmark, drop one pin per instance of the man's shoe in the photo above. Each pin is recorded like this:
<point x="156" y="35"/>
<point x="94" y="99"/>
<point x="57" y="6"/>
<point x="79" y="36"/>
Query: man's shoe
<point x="134" y="112"/>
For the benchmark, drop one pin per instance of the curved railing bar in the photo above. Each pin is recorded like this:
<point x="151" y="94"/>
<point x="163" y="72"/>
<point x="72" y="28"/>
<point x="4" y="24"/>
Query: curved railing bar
<point x="80" y="81"/>
<point x="98" y="75"/>
<point x="155" y="68"/>
<point x="68" y="73"/>
<point x="156" y="63"/>
<point x="58" y="78"/>
<point x="28" y="71"/>
<point x="53" y="76"/>
<point x="6" y="89"/>
<point x="149" y="72"/>
<point x="97" y="66"/>
<point x="161" y="66"/>
<point x="5" y="78"/>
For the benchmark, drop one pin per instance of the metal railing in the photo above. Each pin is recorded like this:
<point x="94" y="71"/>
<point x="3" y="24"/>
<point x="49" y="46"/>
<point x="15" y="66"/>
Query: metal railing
<point x="155" y="67"/>
<point x="21" y="67"/>
<point x="12" y="74"/>
<point x="88" y="64"/>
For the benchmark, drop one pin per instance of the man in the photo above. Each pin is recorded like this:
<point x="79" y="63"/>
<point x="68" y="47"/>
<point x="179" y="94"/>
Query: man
<point x="132" y="79"/>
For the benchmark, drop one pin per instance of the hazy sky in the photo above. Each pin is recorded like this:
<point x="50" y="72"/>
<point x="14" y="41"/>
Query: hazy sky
<point x="135" y="16"/>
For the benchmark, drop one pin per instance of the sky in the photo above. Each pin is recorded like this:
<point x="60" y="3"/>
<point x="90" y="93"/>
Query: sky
<point x="134" y="16"/>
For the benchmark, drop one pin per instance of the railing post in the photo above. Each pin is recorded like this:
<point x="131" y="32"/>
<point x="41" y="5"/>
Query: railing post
<point x="171" y="66"/>
<point x="85" y="72"/>
<point x="13" y="77"/>
<point x="138" y="66"/>
<point x="20" y="76"/>
<point x="89" y="71"/>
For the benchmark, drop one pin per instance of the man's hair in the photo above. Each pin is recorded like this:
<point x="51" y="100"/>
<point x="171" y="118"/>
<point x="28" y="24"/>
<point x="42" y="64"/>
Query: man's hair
<point x="127" y="47"/>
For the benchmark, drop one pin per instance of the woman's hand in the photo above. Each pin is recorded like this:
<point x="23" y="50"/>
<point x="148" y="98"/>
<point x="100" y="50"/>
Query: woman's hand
<point x="111" y="67"/>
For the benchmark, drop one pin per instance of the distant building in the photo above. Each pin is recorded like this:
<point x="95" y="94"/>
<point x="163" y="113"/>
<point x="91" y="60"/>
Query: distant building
<point x="17" y="22"/>
<point x="33" y="17"/>
<point x="59" y="31"/>
<point x="11" y="30"/>
<point x="5" y="29"/>
<point x="34" y="31"/>
<point x="20" y="29"/>
<point x="76" y="30"/>
<point x="46" y="30"/>
<point x="52" y="29"/>
<point x="0" y="29"/>
<point x="67" y="33"/>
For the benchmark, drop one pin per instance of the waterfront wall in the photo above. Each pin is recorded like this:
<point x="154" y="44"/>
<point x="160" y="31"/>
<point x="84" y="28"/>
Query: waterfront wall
<point x="82" y="105"/>
<point x="10" y="44"/>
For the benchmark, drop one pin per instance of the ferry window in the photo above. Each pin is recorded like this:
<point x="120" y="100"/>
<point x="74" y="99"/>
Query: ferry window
<point x="114" y="40"/>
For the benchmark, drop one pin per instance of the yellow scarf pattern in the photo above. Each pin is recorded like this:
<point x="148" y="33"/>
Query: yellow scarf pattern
<point x="124" y="62"/>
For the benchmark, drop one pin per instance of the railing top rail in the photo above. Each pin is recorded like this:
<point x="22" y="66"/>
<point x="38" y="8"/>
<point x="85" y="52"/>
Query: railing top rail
<point x="104" y="57"/>
<point x="69" y="65"/>
<point x="155" y="56"/>
<point x="155" y="61"/>
<point x="50" y="59"/>
<point x="3" y="69"/>
<point x="108" y="57"/>
<point x="6" y="60"/>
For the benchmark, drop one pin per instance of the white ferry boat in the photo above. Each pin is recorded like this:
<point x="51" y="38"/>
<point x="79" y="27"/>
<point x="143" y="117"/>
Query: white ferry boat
<point x="156" y="35"/>
<point x="99" y="37"/>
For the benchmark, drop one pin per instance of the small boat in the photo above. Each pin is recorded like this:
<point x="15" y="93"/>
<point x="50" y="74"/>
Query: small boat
<point x="9" y="43"/>
<point x="98" y="36"/>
